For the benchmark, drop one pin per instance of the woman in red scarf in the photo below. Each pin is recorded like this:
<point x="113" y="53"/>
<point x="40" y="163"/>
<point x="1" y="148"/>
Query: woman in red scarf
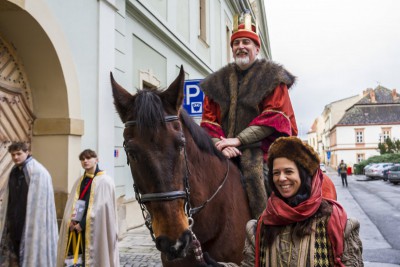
<point x="299" y="227"/>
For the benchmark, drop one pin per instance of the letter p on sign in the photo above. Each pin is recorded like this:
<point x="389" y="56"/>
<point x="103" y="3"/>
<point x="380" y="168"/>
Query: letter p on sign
<point x="193" y="98"/>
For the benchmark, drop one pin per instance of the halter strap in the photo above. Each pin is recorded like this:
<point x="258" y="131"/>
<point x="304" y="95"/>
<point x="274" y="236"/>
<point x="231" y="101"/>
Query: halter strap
<point x="163" y="196"/>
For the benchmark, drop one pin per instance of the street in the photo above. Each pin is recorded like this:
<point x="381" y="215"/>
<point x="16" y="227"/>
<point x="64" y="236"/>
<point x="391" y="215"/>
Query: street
<point x="376" y="204"/>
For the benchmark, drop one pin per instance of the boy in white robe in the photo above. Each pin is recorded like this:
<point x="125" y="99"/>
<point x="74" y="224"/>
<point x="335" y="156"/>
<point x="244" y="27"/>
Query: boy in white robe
<point x="98" y="225"/>
<point x="28" y="223"/>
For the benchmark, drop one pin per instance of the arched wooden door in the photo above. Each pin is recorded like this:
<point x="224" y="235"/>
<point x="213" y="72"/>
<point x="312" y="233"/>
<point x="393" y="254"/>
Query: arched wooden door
<point x="16" y="117"/>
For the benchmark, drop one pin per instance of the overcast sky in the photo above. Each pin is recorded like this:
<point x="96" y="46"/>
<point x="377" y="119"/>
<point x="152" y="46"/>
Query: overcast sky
<point x="336" y="48"/>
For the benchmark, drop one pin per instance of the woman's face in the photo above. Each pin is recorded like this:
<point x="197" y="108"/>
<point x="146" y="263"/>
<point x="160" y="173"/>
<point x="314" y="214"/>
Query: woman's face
<point x="286" y="177"/>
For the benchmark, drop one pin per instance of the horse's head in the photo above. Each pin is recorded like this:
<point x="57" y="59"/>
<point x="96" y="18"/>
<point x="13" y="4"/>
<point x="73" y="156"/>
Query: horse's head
<point x="155" y="146"/>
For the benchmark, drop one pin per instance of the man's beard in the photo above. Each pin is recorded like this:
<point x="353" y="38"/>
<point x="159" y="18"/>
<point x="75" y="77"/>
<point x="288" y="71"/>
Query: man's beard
<point x="242" y="61"/>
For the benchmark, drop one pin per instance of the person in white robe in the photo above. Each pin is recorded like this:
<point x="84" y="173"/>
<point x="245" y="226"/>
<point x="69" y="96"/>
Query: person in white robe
<point x="28" y="221"/>
<point x="98" y="224"/>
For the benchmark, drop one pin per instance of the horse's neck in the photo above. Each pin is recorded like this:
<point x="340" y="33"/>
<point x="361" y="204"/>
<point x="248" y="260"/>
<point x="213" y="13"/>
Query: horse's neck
<point x="227" y="203"/>
<point x="204" y="166"/>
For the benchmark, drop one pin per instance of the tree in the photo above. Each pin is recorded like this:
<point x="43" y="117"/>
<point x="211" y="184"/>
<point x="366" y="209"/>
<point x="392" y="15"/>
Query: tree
<point x="397" y="145"/>
<point x="388" y="146"/>
<point x="382" y="148"/>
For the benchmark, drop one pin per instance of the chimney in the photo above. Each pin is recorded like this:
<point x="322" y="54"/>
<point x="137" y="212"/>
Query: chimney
<point x="394" y="95"/>
<point x="372" y="96"/>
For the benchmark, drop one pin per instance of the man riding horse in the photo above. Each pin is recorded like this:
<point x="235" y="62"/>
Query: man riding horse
<point x="246" y="107"/>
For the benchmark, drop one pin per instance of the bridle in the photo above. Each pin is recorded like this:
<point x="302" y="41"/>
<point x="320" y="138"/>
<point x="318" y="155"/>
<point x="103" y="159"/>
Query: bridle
<point x="171" y="195"/>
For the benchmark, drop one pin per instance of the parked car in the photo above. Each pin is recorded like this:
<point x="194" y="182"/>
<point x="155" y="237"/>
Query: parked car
<point x="383" y="169"/>
<point x="376" y="171"/>
<point x="367" y="167"/>
<point x="322" y="167"/>
<point x="386" y="172"/>
<point x="394" y="174"/>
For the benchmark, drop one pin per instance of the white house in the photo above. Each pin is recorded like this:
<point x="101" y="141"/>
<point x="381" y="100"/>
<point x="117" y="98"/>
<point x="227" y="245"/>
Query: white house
<point x="369" y="121"/>
<point x="319" y="134"/>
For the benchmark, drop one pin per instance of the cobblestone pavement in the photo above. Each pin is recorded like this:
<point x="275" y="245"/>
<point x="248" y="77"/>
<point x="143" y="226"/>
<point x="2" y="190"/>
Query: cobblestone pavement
<point x="137" y="249"/>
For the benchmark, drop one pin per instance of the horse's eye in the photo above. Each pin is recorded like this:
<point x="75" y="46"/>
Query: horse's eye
<point x="177" y="126"/>
<point x="132" y="156"/>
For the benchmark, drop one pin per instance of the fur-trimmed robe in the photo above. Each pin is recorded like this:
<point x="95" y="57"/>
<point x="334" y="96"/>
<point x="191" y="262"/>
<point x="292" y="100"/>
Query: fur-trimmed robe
<point x="260" y="98"/>
<point x="240" y="104"/>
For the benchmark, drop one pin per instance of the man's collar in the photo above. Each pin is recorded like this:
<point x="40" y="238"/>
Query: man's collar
<point x="29" y="158"/>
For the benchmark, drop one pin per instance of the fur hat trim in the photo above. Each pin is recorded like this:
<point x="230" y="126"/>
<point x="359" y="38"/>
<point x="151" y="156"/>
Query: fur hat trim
<point x="295" y="150"/>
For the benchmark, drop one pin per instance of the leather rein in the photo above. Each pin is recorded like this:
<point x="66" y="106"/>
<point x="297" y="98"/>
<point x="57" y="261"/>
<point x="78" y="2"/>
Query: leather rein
<point x="171" y="195"/>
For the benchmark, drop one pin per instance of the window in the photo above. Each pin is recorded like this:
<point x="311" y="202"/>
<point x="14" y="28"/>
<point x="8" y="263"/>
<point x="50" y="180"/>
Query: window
<point x="359" y="136"/>
<point x="360" y="157"/>
<point x="148" y="86"/>
<point x="228" y="45"/>
<point x="147" y="80"/>
<point x="385" y="133"/>
<point x="203" y="20"/>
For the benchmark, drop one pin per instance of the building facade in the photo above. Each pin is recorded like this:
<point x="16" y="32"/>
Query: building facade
<point x="55" y="63"/>
<point x="320" y="132"/>
<point x="354" y="133"/>
<point x="367" y="123"/>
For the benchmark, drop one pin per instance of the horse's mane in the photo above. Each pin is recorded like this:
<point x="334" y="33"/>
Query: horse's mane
<point x="149" y="111"/>
<point x="200" y="137"/>
<point x="150" y="117"/>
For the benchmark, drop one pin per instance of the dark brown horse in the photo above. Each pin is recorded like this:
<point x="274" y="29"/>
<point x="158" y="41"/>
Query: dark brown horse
<point x="176" y="171"/>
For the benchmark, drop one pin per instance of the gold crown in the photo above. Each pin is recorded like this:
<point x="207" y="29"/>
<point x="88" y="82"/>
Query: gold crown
<point x="244" y="28"/>
<point x="245" y="19"/>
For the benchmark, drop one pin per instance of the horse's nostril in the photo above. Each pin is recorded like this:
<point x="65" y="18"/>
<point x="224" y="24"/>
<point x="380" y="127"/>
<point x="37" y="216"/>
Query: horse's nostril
<point x="163" y="244"/>
<point x="174" y="249"/>
<point x="186" y="238"/>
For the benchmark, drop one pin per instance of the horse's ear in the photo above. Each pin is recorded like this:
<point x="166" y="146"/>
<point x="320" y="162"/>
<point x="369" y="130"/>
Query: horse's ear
<point x="174" y="94"/>
<point x="122" y="98"/>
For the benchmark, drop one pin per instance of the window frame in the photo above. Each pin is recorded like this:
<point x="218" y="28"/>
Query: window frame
<point x="203" y="20"/>
<point x="359" y="136"/>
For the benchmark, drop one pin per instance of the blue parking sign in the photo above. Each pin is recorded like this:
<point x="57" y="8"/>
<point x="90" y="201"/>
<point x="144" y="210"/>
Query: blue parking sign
<point x="328" y="154"/>
<point x="193" y="97"/>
